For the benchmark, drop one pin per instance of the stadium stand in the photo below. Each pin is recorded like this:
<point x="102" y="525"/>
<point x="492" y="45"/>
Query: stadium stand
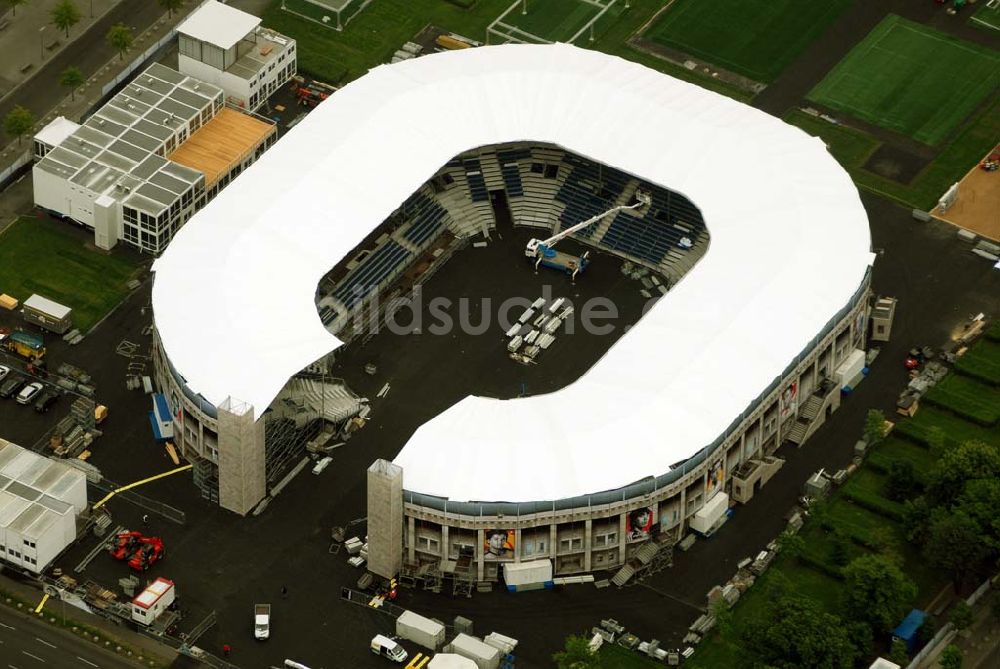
<point x="374" y="271"/>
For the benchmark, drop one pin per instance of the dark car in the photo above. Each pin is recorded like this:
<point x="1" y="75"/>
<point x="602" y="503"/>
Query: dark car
<point x="11" y="386"/>
<point x="45" y="401"/>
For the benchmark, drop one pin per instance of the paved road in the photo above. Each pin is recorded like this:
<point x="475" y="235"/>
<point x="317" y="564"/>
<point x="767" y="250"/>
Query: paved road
<point x="88" y="52"/>
<point x="27" y="643"/>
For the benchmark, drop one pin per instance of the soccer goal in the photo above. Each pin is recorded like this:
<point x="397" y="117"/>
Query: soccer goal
<point x="334" y="14"/>
<point x="549" y="21"/>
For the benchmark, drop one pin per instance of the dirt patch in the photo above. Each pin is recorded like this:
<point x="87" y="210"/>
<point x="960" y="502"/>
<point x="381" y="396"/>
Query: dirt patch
<point x="898" y="164"/>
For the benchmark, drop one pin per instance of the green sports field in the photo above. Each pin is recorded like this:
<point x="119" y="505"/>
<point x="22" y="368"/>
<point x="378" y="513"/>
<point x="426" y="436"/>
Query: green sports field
<point x="53" y="259"/>
<point x="987" y="17"/>
<point x="755" y="38"/>
<point x="554" y="20"/>
<point x="911" y="79"/>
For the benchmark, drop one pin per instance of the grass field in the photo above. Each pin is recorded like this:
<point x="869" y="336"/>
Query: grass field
<point x="852" y="149"/>
<point x="755" y="38"/>
<point x="378" y="31"/>
<point x="987" y="17"/>
<point x="555" y="20"/>
<point x="911" y="79"/>
<point x="967" y="398"/>
<point x="88" y="281"/>
<point x="982" y="361"/>
<point x="616" y="657"/>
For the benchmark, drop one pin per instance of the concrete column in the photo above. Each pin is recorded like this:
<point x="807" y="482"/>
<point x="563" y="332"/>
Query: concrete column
<point x="480" y="554"/>
<point x="588" y="543"/>
<point x="445" y="542"/>
<point x="242" y="476"/>
<point x="411" y="540"/>
<point x="553" y="545"/>
<point x="621" y="539"/>
<point x="743" y="447"/>
<point x="385" y="518"/>
<point x="683" y="512"/>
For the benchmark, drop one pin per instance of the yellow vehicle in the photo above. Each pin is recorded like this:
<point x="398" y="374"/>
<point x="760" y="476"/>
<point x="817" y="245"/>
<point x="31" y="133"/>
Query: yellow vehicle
<point x="24" y="344"/>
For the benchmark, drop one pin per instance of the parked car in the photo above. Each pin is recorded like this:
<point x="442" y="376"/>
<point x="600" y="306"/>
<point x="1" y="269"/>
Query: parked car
<point x="29" y="392"/>
<point x="45" y="401"/>
<point x="10" y="386"/>
<point x="4" y="371"/>
<point x="322" y="464"/>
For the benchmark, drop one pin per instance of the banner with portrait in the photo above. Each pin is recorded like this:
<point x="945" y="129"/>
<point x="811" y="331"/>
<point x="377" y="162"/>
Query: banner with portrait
<point x="638" y="524"/>
<point x="498" y="544"/>
<point x="789" y="400"/>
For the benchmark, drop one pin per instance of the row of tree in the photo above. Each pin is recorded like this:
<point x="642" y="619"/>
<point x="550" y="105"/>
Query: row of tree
<point x="65" y="15"/>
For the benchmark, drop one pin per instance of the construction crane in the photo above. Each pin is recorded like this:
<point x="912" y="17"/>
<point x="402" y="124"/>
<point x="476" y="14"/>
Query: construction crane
<point x="541" y="251"/>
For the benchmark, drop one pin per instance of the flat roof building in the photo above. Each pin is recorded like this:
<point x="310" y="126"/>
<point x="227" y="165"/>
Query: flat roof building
<point x="40" y="500"/>
<point x="113" y="174"/>
<point x="226" y="46"/>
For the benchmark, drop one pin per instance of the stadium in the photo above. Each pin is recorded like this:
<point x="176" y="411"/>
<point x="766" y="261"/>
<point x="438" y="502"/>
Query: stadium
<point x="433" y="174"/>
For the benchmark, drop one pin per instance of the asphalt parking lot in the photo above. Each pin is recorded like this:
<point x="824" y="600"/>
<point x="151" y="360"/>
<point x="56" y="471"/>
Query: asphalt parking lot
<point x="225" y="564"/>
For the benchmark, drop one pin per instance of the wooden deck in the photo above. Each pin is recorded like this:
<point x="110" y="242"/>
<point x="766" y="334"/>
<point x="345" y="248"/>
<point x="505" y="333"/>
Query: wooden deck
<point x="222" y="142"/>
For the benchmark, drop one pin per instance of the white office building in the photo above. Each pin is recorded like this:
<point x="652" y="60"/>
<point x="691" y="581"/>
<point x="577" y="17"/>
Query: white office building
<point x="227" y="47"/>
<point x="40" y="501"/>
<point x="141" y="165"/>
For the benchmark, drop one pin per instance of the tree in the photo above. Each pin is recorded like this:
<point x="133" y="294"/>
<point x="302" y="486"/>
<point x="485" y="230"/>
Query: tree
<point x="120" y="38"/>
<point x="902" y="481"/>
<point x="980" y="499"/>
<point x="65" y="15"/>
<point x="796" y="632"/>
<point x="576" y="655"/>
<point x="840" y="548"/>
<point x="954" y="544"/>
<point x="791" y="544"/>
<point x="898" y="653"/>
<point x="951" y="657"/>
<point x="71" y="78"/>
<point x="18" y="122"/>
<point x="14" y="4"/>
<point x="916" y="517"/>
<point x="961" y="615"/>
<point x="995" y="607"/>
<point x="969" y="461"/>
<point x="170" y="5"/>
<point x="874" y="426"/>
<point x="877" y="592"/>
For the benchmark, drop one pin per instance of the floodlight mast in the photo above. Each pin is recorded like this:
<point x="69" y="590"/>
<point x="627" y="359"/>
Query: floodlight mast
<point x="538" y="247"/>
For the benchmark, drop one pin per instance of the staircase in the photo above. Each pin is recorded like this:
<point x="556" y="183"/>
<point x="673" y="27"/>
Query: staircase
<point x="333" y="401"/>
<point x="808" y="413"/>
<point x="623" y="575"/>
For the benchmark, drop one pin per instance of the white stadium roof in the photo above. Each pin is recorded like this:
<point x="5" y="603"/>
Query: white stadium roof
<point x="789" y="246"/>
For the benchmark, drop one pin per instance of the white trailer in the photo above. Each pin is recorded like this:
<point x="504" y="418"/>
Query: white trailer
<point x="709" y="517"/>
<point x="153" y="601"/>
<point x="47" y="314"/>
<point x="485" y="656"/>
<point x="420" y="630"/>
<point x="522" y="576"/>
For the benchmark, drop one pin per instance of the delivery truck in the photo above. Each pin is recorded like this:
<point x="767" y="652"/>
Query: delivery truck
<point x="261" y="621"/>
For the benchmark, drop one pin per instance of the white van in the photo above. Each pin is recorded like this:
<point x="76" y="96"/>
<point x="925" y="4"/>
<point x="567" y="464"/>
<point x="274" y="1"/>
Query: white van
<point x="386" y="647"/>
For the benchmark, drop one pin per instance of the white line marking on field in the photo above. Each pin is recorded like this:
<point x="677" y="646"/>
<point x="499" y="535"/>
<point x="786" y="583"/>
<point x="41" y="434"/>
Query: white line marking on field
<point x="33" y="656"/>
<point x="86" y="661"/>
<point x="50" y="645"/>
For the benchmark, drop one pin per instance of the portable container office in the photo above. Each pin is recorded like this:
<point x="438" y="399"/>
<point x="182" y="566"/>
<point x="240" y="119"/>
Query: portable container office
<point x="532" y="575"/>
<point x="485" y="657"/>
<point x="47" y="314"/>
<point x="153" y="601"/>
<point x="418" y="629"/>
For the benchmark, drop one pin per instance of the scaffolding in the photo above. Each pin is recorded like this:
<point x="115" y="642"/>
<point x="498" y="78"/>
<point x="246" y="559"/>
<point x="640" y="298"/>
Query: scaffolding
<point x="285" y="444"/>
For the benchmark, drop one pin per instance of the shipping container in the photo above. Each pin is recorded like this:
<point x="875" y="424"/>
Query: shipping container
<point x="485" y="657"/>
<point x="424" y="631"/>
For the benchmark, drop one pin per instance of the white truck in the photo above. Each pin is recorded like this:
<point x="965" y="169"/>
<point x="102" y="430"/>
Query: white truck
<point x="261" y="621"/>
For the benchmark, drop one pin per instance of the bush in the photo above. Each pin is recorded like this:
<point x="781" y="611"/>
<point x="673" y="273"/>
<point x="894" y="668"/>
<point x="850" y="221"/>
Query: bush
<point x="902" y="483"/>
<point x="819" y="565"/>
<point x="875" y="504"/>
<point x="464" y="4"/>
